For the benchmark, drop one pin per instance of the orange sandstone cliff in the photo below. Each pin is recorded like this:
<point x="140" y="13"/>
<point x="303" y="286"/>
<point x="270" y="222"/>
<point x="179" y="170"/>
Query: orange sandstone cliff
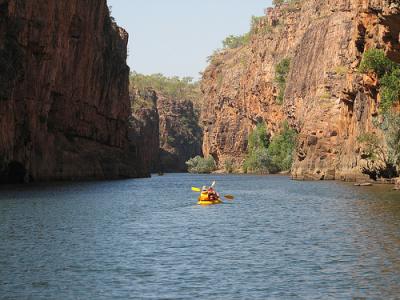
<point x="64" y="101"/>
<point x="326" y="100"/>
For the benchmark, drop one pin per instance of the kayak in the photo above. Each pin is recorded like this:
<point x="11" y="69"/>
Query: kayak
<point x="209" y="202"/>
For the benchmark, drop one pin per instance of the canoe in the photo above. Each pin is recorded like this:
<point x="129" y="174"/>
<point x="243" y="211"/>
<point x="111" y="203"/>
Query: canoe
<point x="209" y="202"/>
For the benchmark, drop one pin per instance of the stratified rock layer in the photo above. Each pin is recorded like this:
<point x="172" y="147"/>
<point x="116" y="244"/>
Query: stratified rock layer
<point x="64" y="102"/>
<point x="326" y="99"/>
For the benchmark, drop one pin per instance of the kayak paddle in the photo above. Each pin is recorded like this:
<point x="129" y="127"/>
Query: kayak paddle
<point x="229" y="197"/>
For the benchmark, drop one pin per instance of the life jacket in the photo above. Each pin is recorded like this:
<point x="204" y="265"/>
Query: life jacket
<point x="203" y="197"/>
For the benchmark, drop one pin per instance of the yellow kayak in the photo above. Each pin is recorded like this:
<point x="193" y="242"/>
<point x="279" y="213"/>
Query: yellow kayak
<point x="208" y="202"/>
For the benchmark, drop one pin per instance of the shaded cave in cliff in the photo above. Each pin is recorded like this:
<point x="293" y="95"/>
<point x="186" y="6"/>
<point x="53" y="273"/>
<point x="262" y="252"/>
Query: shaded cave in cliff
<point x="388" y="172"/>
<point x="393" y="36"/>
<point x="14" y="173"/>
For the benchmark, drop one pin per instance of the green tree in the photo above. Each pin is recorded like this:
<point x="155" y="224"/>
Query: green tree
<point x="388" y="72"/>
<point x="235" y="41"/>
<point x="281" y="72"/>
<point x="201" y="165"/>
<point x="257" y="160"/>
<point x="258" y="138"/>
<point x="390" y="89"/>
<point x="173" y="87"/>
<point x="282" y="147"/>
<point x="375" y="60"/>
<point x="265" y="155"/>
<point x="383" y="153"/>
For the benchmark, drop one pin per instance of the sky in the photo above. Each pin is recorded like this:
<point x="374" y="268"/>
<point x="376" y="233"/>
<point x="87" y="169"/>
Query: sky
<point x="175" y="37"/>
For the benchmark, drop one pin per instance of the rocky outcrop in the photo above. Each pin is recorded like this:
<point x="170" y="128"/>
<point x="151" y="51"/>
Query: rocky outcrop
<point x="326" y="100"/>
<point x="64" y="102"/>
<point x="180" y="133"/>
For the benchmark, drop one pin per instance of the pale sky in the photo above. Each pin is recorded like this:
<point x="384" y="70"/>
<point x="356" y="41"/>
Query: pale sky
<point x="175" y="37"/>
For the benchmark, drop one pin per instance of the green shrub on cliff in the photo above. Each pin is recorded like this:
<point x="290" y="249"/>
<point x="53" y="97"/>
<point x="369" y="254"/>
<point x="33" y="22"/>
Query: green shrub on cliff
<point x="257" y="159"/>
<point x="282" y="147"/>
<point x="388" y="72"/>
<point x="258" y="138"/>
<point x="281" y="72"/>
<point x="382" y="152"/>
<point x="375" y="60"/>
<point x="390" y="89"/>
<point x="201" y="165"/>
<point x="235" y="41"/>
<point x="267" y="155"/>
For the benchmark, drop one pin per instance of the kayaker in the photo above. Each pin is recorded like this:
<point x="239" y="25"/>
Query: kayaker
<point x="212" y="194"/>
<point x="204" y="194"/>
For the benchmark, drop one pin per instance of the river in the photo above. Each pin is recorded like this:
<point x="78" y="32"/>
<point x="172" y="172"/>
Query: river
<point x="147" y="239"/>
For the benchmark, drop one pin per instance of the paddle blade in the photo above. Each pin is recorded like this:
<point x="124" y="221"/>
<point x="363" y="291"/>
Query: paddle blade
<point x="195" y="189"/>
<point x="229" y="197"/>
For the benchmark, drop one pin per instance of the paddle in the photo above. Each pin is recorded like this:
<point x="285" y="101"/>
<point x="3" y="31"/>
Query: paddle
<point x="229" y="197"/>
<point x="195" y="189"/>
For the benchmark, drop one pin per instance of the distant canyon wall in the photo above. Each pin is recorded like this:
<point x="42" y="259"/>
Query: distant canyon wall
<point x="64" y="100"/>
<point x="326" y="99"/>
<point x="169" y="129"/>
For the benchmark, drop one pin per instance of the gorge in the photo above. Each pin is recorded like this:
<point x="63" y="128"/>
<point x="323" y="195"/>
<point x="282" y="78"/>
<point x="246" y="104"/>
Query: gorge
<point x="69" y="110"/>
<point x="121" y="182"/>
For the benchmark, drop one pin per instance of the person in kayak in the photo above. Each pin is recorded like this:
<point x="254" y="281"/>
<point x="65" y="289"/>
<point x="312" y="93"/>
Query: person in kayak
<point x="204" y="194"/>
<point x="212" y="194"/>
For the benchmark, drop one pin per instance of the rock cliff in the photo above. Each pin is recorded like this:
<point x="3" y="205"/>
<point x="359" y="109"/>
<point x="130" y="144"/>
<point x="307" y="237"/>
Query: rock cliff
<point x="167" y="128"/>
<point x="326" y="100"/>
<point x="145" y="121"/>
<point x="64" y="101"/>
<point x="180" y="133"/>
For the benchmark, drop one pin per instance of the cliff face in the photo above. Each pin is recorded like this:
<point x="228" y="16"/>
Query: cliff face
<point x="328" y="102"/>
<point x="145" y="121"/>
<point x="64" y="102"/>
<point x="180" y="133"/>
<point x="166" y="129"/>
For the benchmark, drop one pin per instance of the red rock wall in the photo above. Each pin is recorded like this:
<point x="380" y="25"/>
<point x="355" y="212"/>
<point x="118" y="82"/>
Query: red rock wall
<point x="326" y="99"/>
<point x="64" y="102"/>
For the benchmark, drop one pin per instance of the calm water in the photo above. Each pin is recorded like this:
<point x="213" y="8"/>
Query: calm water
<point x="146" y="239"/>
